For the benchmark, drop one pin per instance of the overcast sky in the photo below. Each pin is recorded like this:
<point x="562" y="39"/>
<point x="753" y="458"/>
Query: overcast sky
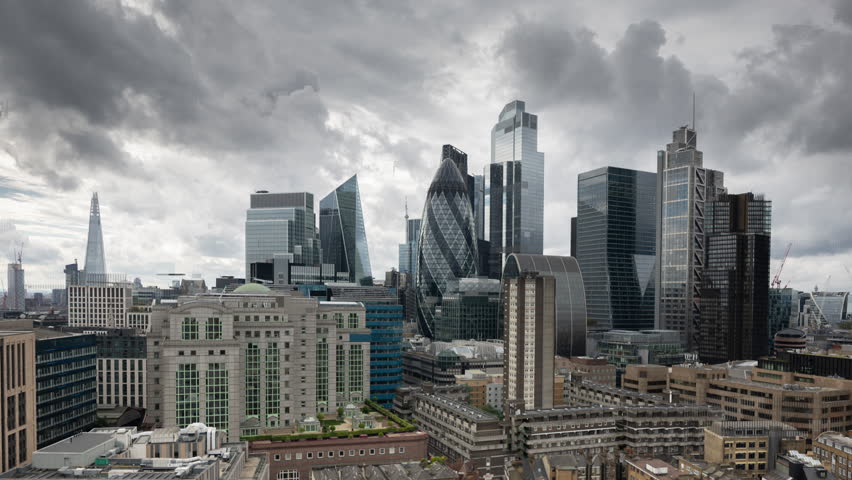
<point x="174" y="112"/>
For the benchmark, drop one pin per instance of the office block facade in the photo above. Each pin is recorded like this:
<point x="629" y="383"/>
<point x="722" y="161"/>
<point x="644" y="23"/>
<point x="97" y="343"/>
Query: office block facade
<point x="66" y="384"/>
<point x="735" y="285"/>
<point x="255" y="359"/>
<point x="683" y="186"/>
<point x="122" y="368"/>
<point x="447" y="248"/>
<point x="384" y="316"/>
<point x="342" y="233"/>
<point x="571" y="322"/>
<point x="281" y="223"/>
<point x="616" y="241"/>
<point x="102" y="305"/>
<point x="529" y="310"/>
<point x="17" y="399"/>
<point x="470" y="311"/>
<point x="515" y="186"/>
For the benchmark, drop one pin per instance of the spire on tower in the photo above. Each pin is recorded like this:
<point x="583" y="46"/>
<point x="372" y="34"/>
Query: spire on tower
<point x="95" y="261"/>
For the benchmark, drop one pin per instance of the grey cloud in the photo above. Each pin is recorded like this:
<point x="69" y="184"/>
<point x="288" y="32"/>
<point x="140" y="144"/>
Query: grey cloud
<point x="843" y="11"/>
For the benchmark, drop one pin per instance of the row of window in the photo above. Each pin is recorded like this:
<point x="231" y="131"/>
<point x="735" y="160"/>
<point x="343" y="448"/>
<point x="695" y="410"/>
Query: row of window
<point x="340" y="453"/>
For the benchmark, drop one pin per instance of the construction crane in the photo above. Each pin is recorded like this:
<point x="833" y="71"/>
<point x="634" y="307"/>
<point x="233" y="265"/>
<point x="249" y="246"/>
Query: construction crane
<point x="776" y="281"/>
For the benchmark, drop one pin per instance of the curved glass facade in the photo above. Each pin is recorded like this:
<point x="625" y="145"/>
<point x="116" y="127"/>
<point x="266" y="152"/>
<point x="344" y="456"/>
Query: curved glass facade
<point x="570" y="296"/>
<point x="342" y="234"/>
<point x="447" y="246"/>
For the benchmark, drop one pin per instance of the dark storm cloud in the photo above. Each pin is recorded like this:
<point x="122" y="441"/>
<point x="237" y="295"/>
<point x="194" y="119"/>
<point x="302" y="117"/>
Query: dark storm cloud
<point x="843" y="11"/>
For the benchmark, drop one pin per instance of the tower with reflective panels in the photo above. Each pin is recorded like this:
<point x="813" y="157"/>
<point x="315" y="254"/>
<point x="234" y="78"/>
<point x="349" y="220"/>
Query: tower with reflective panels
<point x="343" y="237"/>
<point x="95" y="261"/>
<point x="447" y="249"/>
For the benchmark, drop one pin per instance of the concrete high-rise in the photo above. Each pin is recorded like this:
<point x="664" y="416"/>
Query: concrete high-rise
<point x="281" y="224"/>
<point x="616" y="237"/>
<point x="683" y="186"/>
<point x="95" y="258"/>
<point x="529" y="310"/>
<point x="570" y="330"/>
<point x="516" y="187"/>
<point x="342" y="232"/>
<point x="447" y="248"/>
<point x="18" y="399"/>
<point x="735" y="283"/>
<point x="16" y="293"/>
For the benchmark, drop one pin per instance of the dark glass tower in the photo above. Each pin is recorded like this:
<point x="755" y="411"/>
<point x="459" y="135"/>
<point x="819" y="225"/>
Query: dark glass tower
<point x="735" y="285"/>
<point x="447" y="247"/>
<point x="342" y="234"/>
<point x="615" y="237"/>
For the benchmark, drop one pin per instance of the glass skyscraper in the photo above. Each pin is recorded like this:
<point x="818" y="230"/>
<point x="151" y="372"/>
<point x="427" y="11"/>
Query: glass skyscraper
<point x="447" y="248"/>
<point x="570" y="300"/>
<point x="616" y="241"/>
<point x="735" y="282"/>
<point x="281" y="224"/>
<point x="342" y="233"/>
<point x="95" y="261"/>
<point x="683" y="185"/>
<point x="783" y="310"/>
<point x="516" y="187"/>
<point x="470" y="311"/>
<point x="408" y="250"/>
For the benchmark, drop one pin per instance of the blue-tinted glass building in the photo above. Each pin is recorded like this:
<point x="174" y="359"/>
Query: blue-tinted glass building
<point x="66" y="385"/>
<point x="384" y="319"/>
<point x="783" y="310"/>
<point x="343" y="236"/>
<point x="616" y="244"/>
<point x="515" y="187"/>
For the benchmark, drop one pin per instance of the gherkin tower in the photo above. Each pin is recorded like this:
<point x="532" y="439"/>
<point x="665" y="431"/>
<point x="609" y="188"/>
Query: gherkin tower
<point x="447" y="247"/>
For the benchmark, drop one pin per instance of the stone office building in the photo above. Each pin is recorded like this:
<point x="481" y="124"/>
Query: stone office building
<point x="255" y="359"/>
<point x="17" y="399"/>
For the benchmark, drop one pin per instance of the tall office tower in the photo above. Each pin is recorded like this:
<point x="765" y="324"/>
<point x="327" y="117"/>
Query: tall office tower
<point x="516" y="187"/>
<point x="255" y="359"/>
<point x="616" y="237"/>
<point x="16" y="293"/>
<point x="18" y="397"/>
<point x="283" y="224"/>
<point x="342" y="233"/>
<point x="570" y="337"/>
<point x="735" y="284"/>
<point x="683" y="185"/>
<point x="408" y="250"/>
<point x="447" y="247"/>
<point x="95" y="261"/>
<point x="529" y="310"/>
<point x="476" y="194"/>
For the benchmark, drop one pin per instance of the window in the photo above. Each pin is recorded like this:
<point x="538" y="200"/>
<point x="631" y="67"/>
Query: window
<point x="372" y="451"/>
<point x="381" y="451"/>
<point x="298" y="455"/>
<point x="309" y="455"/>
<point x="353" y="320"/>
<point x="340" y="453"/>
<point x="330" y="454"/>
<point x="277" y="457"/>
<point x="351" y="453"/>
<point x="319" y="454"/>
<point x="213" y="329"/>
<point x="288" y="475"/>
<point x="401" y="449"/>
<point x="189" y="329"/>
<point x="361" y="452"/>
<point x="391" y="451"/>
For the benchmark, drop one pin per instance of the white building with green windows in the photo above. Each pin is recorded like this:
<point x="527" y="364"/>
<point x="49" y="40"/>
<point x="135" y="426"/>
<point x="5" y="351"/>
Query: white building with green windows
<point x="255" y="359"/>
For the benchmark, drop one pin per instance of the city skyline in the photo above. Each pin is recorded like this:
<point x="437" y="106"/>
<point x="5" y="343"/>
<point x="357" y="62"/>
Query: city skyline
<point x="391" y="149"/>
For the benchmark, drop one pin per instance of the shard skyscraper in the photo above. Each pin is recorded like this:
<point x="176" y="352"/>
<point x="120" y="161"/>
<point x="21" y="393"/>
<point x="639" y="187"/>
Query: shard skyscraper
<point x="95" y="261"/>
<point x="343" y="237"/>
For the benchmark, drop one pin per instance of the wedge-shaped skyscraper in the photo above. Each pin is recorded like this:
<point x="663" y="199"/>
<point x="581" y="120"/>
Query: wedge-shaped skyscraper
<point x="95" y="261"/>
<point x="342" y="234"/>
<point x="447" y="248"/>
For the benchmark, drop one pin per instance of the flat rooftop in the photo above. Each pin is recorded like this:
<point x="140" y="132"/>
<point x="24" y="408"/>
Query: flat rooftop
<point x="80" y="443"/>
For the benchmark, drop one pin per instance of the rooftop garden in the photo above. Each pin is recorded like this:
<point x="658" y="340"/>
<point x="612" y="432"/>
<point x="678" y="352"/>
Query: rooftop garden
<point x="345" y="428"/>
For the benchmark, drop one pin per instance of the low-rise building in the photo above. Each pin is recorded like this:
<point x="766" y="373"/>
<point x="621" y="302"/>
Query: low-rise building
<point x="468" y="437"/>
<point x="691" y="382"/>
<point x="405" y="399"/>
<point x="597" y="370"/>
<point x="652" y="469"/>
<point x="565" y="467"/>
<point x="485" y="389"/>
<point x="393" y="471"/>
<point x="439" y="362"/>
<point x="834" y="451"/>
<point x="294" y="459"/>
<point x="645" y="378"/>
<point x="628" y="347"/>
<point x="579" y="392"/>
<point x="751" y="447"/>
